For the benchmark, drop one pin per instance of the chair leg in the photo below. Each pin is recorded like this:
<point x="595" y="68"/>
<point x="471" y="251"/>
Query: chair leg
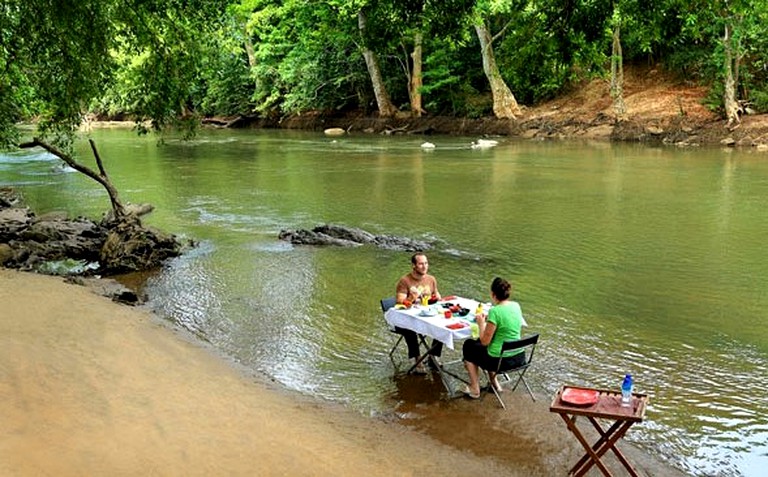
<point x="521" y="377"/>
<point x="528" y="388"/>
<point x="395" y="346"/>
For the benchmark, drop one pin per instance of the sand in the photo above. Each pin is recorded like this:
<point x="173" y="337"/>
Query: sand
<point x="89" y="387"/>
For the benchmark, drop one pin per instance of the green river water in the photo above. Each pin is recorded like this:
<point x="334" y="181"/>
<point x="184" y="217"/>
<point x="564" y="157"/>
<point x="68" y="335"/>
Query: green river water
<point x="625" y="258"/>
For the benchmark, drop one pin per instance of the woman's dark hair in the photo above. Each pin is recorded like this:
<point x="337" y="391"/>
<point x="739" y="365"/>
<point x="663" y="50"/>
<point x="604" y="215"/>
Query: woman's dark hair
<point x="501" y="288"/>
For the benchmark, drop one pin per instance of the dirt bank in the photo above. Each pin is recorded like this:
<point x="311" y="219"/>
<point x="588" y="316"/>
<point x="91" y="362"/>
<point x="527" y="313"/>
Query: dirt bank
<point x="660" y="110"/>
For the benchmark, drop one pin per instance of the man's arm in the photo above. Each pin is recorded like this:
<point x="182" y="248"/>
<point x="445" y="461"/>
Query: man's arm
<point x="434" y="290"/>
<point x="401" y="291"/>
<point x="401" y="297"/>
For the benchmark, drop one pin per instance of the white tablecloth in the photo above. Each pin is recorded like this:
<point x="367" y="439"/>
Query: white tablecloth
<point x="436" y="326"/>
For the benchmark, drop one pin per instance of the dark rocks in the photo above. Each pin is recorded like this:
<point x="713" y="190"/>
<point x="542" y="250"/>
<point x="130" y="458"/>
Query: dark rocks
<point x="129" y="246"/>
<point x="108" y="247"/>
<point x="13" y="221"/>
<point x="6" y="253"/>
<point x="341" y="236"/>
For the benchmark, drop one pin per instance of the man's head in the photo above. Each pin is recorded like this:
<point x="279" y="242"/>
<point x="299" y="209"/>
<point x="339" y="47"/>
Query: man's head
<point x="420" y="264"/>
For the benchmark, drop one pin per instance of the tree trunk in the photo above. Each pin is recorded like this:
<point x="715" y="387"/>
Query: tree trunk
<point x="617" y="75"/>
<point x="416" y="76"/>
<point x="249" y="50"/>
<point x="504" y="103"/>
<point x="729" y="95"/>
<point x="386" y="108"/>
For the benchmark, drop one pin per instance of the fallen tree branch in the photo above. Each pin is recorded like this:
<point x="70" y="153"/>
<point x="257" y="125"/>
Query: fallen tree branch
<point x="100" y="177"/>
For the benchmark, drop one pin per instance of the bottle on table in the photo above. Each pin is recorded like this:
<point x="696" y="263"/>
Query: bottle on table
<point x="626" y="391"/>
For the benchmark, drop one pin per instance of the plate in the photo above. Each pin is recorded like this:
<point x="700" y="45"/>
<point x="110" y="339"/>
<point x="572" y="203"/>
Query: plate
<point x="456" y="326"/>
<point x="428" y="312"/>
<point x="579" y="397"/>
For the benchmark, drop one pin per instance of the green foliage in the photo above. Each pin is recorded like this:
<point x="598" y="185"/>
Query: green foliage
<point x="53" y="61"/>
<point x="60" y="57"/>
<point x="306" y="58"/>
<point x="171" y="62"/>
<point x="451" y="72"/>
<point x="760" y="100"/>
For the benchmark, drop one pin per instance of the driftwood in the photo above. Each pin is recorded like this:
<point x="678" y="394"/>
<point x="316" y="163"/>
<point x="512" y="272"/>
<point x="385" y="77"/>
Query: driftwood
<point x="100" y="177"/>
<point x="395" y="130"/>
<point x="341" y="236"/>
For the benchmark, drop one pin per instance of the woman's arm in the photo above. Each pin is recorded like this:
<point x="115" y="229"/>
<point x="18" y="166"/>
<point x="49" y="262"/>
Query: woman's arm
<point x="485" y="329"/>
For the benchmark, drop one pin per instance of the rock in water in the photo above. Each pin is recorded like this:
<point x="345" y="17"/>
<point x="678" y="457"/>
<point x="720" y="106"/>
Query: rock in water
<point x="334" y="132"/>
<point x="341" y="236"/>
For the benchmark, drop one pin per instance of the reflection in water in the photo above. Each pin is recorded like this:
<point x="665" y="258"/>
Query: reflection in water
<point x="624" y="258"/>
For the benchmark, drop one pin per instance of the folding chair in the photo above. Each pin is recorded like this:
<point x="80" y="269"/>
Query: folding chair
<point x="386" y="304"/>
<point x="528" y="345"/>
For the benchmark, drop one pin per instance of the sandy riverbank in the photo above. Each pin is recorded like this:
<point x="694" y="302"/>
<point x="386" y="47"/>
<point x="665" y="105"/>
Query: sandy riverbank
<point x="91" y="387"/>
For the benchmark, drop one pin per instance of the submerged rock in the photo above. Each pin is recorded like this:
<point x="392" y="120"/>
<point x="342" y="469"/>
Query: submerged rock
<point x="341" y="236"/>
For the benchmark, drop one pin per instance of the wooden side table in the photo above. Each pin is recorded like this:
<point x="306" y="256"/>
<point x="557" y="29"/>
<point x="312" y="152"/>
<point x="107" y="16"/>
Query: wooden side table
<point x="606" y="406"/>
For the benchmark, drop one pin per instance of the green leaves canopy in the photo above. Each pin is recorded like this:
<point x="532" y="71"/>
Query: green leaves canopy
<point x="59" y="56"/>
<point x="166" y="61"/>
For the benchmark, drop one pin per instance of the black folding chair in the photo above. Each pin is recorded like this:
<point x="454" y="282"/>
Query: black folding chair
<point x="528" y="345"/>
<point x="386" y="304"/>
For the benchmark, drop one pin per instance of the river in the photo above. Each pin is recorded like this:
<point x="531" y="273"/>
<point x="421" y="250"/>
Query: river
<point x="626" y="258"/>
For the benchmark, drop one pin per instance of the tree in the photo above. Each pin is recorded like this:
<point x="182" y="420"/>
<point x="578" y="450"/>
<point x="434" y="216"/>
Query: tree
<point x="504" y="103"/>
<point x="386" y="107"/>
<point x="437" y="19"/>
<point x="57" y="58"/>
<point x="731" y="58"/>
<point x="734" y="29"/>
<point x="617" y="65"/>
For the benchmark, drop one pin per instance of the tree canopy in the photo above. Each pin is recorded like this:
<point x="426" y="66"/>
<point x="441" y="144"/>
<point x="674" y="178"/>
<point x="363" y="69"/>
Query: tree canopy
<point x="170" y="62"/>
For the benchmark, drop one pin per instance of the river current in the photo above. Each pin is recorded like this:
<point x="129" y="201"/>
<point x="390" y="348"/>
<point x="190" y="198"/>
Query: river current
<point x="626" y="258"/>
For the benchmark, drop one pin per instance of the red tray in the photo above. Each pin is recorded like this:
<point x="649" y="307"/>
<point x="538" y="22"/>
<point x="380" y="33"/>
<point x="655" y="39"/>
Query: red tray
<point x="579" y="397"/>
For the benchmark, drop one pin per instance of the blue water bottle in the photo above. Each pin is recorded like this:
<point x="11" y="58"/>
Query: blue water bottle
<point x="626" y="391"/>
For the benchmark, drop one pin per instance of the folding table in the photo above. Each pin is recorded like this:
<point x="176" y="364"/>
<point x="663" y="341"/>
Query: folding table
<point x="436" y="326"/>
<point x="606" y="406"/>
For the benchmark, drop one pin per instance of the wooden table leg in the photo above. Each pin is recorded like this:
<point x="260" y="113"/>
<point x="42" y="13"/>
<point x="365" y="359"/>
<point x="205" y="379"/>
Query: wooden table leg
<point x="607" y="441"/>
<point x="590" y="458"/>
<point x="615" y="433"/>
<point x="597" y="445"/>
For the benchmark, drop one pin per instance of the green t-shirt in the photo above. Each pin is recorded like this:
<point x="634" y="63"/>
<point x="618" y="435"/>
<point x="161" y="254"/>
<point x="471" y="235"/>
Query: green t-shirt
<point x="508" y="319"/>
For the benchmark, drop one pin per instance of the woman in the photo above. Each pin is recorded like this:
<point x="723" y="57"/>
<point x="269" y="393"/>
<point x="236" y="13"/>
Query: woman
<point x="502" y="323"/>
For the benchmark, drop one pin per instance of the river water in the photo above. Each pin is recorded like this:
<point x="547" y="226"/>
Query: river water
<point x="626" y="258"/>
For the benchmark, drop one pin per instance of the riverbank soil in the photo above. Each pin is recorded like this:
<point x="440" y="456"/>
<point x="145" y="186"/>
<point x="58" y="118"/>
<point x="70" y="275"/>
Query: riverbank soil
<point x="92" y="387"/>
<point x="659" y="109"/>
